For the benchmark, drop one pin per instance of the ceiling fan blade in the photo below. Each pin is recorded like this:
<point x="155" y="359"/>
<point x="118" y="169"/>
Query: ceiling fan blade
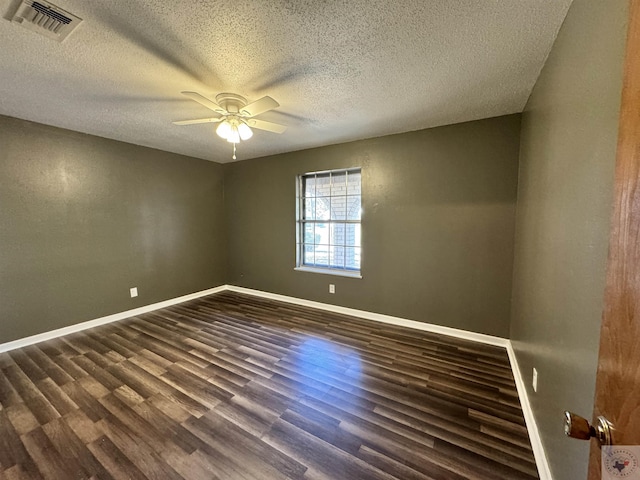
<point x="259" y="106"/>
<point x="268" y="126"/>
<point x="198" y="120"/>
<point x="204" y="101"/>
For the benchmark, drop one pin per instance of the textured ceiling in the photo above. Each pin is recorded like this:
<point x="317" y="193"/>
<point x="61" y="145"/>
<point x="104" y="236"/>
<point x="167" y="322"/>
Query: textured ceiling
<point x="341" y="70"/>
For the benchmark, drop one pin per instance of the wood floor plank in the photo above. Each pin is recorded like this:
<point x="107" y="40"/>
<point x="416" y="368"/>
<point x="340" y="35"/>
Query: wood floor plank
<point x="142" y="455"/>
<point x="399" y="469"/>
<point x="8" y="394"/>
<point x="56" y="396"/>
<point x="50" y="463"/>
<point x="89" y="405"/>
<point x="314" y="452"/>
<point x="236" y="387"/>
<point x="31" y="395"/>
<point x="28" y="366"/>
<point x="84" y="428"/>
<point x="12" y="450"/>
<point x="114" y="461"/>
<point x="72" y="450"/>
<point x="264" y="459"/>
<point x="21" y="472"/>
<point x="44" y="361"/>
<point x="230" y="460"/>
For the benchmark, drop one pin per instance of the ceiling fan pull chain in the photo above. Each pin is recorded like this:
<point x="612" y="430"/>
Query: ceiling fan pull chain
<point x="234" y="152"/>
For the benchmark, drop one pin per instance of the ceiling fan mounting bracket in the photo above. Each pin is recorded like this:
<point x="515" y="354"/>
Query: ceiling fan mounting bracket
<point x="231" y="102"/>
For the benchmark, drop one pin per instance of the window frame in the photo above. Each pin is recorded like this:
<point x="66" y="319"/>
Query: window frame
<point x="301" y="221"/>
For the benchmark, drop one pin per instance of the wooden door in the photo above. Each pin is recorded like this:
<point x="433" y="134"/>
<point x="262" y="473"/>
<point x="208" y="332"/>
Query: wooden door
<point x="618" y="379"/>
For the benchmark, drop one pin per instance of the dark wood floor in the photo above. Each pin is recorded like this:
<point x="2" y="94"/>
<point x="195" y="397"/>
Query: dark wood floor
<point x="236" y="387"/>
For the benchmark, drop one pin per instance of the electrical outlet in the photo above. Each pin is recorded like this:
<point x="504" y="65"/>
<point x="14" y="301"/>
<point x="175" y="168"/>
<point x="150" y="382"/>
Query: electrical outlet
<point x="332" y="288"/>
<point x="133" y="291"/>
<point x="534" y="382"/>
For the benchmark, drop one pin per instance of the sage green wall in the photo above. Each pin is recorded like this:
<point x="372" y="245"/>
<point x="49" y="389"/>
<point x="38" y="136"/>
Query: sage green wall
<point x="568" y="146"/>
<point x="84" y="218"/>
<point x="438" y="224"/>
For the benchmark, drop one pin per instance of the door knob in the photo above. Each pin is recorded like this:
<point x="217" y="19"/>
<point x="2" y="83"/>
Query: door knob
<point x="579" y="427"/>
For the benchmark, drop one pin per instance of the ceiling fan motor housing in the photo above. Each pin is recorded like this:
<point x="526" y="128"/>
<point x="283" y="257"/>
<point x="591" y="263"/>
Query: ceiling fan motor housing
<point x="231" y="102"/>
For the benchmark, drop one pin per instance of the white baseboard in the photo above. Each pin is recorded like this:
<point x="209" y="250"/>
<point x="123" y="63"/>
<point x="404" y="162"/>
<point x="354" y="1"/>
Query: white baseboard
<point x="534" y="435"/>
<point x="41" y="337"/>
<point x="377" y="317"/>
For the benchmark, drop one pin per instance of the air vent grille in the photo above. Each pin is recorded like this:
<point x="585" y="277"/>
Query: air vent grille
<point x="47" y="19"/>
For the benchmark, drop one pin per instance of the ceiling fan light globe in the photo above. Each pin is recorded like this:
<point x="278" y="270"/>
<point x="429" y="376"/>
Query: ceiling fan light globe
<point x="245" y="132"/>
<point x="224" y="129"/>
<point x="234" y="135"/>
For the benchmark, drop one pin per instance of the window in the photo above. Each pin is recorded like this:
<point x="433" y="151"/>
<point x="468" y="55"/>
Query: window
<point x="329" y="211"/>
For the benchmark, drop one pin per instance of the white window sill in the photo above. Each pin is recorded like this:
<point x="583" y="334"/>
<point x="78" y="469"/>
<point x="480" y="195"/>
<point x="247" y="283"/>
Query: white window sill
<point x="330" y="271"/>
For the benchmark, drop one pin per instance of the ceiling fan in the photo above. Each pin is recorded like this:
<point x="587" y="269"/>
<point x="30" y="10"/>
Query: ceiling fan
<point x="235" y="116"/>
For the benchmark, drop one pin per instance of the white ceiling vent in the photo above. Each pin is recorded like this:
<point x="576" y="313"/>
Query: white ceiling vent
<point x="46" y="19"/>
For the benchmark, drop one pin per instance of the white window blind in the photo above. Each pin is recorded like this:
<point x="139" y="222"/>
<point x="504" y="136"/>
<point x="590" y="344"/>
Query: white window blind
<point x="329" y="214"/>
